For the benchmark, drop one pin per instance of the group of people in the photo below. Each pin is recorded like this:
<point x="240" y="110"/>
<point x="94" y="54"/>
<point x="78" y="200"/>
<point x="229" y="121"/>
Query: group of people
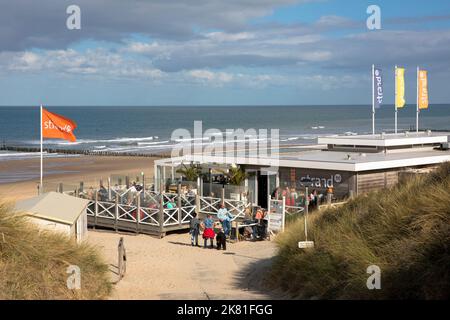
<point x="210" y="229"/>
<point x="295" y="198"/>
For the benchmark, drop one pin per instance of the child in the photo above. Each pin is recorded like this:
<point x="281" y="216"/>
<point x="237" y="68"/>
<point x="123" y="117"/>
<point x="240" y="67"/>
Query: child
<point x="209" y="231"/>
<point x="221" y="239"/>
<point x="194" y="229"/>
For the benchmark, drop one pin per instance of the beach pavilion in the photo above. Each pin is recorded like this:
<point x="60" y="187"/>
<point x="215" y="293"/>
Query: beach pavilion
<point x="350" y="165"/>
<point x="57" y="212"/>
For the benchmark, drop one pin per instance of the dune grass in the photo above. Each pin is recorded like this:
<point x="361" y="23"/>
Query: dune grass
<point x="404" y="230"/>
<point x="33" y="263"/>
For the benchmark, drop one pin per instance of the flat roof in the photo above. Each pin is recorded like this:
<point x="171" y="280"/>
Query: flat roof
<point x="387" y="140"/>
<point x="53" y="206"/>
<point x="326" y="160"/>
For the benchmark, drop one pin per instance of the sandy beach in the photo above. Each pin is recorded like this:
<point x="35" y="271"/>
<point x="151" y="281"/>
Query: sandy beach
<point x="69" y="171"/>
<point x="170" y="268"/>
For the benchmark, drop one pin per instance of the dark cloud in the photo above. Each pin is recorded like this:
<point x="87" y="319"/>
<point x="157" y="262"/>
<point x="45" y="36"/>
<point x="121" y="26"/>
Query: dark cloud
<point x="42" y="24"/>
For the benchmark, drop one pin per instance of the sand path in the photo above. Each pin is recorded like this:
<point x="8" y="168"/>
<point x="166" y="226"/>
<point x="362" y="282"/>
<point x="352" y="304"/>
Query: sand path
<point x="170" y="268"/>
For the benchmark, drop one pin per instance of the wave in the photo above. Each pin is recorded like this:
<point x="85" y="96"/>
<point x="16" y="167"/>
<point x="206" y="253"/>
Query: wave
<point x="93" y="141"/>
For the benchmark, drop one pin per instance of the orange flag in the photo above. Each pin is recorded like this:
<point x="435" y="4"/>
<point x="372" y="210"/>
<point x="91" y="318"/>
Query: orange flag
<point x="57" y="127"/>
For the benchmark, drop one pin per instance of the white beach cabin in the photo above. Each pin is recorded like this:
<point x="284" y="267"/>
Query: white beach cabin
<point x="57" y="212"/>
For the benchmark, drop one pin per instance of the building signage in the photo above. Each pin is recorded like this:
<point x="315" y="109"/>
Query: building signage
<point x="325" y="182"/>
<point x="276" y="216"/>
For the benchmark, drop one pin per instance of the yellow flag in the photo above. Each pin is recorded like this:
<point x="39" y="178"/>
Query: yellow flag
<point x="423" y="89"/>
<point x="400" y="87"/>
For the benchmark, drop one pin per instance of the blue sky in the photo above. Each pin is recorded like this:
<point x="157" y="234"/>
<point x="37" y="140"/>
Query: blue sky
<point x="211" y="52"/>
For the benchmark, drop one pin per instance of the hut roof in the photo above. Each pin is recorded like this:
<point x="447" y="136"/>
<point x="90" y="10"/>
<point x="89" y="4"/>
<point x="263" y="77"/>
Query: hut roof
<point x="53" y="206"/>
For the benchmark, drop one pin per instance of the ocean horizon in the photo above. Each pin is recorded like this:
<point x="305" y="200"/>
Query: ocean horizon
<point x="148" y="129"/>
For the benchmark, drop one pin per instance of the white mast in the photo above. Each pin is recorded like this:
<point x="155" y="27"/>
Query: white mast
<point x="41" y="186"/>
<point x="395" y="99"/>
<point x="373" y="99"/>
<point x="417" y="102"/>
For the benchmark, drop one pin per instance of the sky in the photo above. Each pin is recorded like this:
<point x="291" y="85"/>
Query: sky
<point x="211" y="52"/>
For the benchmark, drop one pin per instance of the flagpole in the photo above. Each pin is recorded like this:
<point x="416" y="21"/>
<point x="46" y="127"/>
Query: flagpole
<point x="373" y="99"/>
<point x="41" y="186"/>
<point x="417" y="102"/>
<point x="395" y="100"/>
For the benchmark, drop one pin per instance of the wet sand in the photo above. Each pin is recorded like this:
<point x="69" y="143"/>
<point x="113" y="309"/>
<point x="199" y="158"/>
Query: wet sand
<point x="69" y="171"/>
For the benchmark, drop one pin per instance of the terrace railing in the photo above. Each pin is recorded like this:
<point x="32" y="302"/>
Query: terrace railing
<point x="209" y="205"/>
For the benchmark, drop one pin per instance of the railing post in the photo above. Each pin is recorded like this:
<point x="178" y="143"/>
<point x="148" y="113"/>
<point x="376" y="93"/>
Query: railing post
<point x="138" y="212"/>
<point x="197" y="204"/>
<point x="223" y="195"/>
<point x="143" y="181"/>
<point x="161" y="214"/>
<point x="179" y="203"/>
<point x="96" y="207"/>
<point x="116" y="212"/>
<point x="109" y="188"/>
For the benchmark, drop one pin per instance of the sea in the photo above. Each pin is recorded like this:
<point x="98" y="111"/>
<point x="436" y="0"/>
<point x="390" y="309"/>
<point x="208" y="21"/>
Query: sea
<point x="149" y="130"/>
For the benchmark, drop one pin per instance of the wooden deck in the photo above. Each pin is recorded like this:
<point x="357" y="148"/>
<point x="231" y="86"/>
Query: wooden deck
<point x="147" y="212"/>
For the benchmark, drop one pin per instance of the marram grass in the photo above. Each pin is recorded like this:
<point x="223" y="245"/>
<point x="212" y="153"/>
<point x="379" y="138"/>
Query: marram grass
<point x="404" y="230"/>
<point x="33" y="263"/>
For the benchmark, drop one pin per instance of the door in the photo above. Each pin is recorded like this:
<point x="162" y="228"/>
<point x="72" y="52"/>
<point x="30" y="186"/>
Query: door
<point x="262" y="190"/>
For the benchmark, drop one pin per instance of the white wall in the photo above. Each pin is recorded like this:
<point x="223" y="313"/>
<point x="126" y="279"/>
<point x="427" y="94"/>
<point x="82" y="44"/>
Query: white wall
<point x="81" y="229"/>
<point x="52" y="226"/>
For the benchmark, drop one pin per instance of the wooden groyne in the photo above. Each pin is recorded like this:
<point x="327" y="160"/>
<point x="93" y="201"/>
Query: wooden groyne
<point x="84" y="152"/>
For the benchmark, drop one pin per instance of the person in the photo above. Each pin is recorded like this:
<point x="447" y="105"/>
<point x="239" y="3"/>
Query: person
<point x="209" y="231"/>
<point x="224" y="217"/>
<point x="314" y="199"/>
<point x="259" y="214"/>
<point x="170" y="204"/>
<point x="103" y="193"/>
<point x="194" y="229"/>
<point x="221" y="239"/>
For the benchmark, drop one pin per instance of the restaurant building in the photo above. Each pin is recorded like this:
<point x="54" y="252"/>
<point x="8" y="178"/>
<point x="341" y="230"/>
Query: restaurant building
<point x="350" y="165"/>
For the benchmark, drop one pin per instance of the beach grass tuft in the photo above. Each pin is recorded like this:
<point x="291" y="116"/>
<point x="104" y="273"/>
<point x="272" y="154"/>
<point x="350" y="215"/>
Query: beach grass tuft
<point x="33" y="263"/>
<point x="405" y="230"/>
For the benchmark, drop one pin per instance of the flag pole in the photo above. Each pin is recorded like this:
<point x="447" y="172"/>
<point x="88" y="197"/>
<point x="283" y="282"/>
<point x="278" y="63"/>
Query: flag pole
<point x="417" y="102"/>
<point x="395" y="100"/>
<point x="373" y="99"/>
<point x="41" y="186"/>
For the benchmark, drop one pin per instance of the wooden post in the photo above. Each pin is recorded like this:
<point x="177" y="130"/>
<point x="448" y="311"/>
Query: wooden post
<point x="179" y="203"/>
<point x="197" y="204"/>
<point x="109" y="188"/>
<point x="96" y="207"/>
<point x="122" y="259"/>
<point x="143" y="181"/>
<point x="138" y="211"/>
<point x="161" y="214"/>
<point x="116" y="212"/>
<point x="223" y="195"/>
<point x="60" y="187"/>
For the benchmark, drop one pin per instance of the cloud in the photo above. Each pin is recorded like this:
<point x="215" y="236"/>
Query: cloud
<point x="42" y="24"/>
<point x="98" y="62"/>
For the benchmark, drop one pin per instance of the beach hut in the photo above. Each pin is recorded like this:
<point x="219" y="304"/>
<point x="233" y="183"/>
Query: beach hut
<point x="57" y="212"/>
